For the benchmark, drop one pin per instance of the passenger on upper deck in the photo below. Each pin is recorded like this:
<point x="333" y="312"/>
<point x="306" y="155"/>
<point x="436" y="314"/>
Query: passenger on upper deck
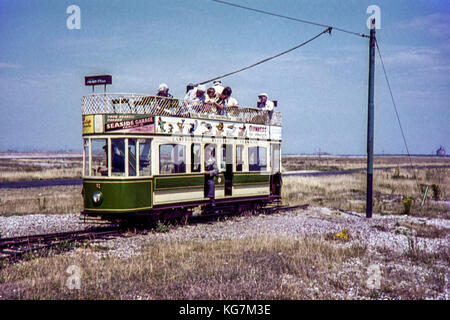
<point x="210" y="99"/>
<point x="225" y="101"/>
<point x="163" y="91"/>
<point x="264" y="103"/>
<point x="217" y="85"/>
<point x="210" y="95"/>
<point x="195" y="97"/>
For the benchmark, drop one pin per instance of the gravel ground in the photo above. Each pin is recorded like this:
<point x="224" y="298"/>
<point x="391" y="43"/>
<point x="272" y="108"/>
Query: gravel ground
<point x="380" y="234"/>
<point x="379" y="231"/>
<point x="25" y="225"/>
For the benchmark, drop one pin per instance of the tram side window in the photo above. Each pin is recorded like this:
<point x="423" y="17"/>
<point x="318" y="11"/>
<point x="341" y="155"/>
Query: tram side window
<point x="86" y="157"/>
<point x="275" y="148"/>
<point x="132" y="164"/>
<point x="227" y="156"/>
<point x="257" y="159"/>
<point x="224" y="157"/>
<point x="99" y="160"/>
<point x="239" y="158"/>
<point x="210" y="151"/>
<point x="144" y="157"/>
<point x="118" y="157"/>
<point x="195" y="158"/>
<point x="172" y="158"/>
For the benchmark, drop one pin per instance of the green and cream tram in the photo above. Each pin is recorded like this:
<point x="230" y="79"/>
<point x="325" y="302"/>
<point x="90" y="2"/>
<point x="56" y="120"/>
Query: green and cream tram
<point x="145" y="155"/>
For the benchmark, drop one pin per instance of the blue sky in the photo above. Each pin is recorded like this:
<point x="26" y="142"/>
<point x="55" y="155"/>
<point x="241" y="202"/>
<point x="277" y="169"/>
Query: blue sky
<point x="321" y="87"/>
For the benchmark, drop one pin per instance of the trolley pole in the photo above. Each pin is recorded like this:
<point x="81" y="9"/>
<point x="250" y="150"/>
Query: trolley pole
<point x="370" y="122"/>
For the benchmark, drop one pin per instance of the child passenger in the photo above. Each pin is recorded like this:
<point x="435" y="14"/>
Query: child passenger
<point x="210" y="99"/>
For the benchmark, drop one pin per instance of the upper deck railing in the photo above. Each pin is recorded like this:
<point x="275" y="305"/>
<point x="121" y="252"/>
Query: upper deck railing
<point x="127" y="103"/>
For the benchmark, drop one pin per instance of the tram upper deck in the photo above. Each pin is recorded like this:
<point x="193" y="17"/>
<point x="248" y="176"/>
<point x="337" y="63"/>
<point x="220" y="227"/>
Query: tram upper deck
<point x="147" y="105"/>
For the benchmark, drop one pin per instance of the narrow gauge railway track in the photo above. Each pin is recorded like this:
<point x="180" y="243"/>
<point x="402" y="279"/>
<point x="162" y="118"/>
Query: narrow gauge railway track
<point x="228" y="211"/>
<point x="15" y="248"/>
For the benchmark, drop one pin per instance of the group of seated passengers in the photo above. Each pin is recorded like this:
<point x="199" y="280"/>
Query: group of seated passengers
<point x="216" y="97"/>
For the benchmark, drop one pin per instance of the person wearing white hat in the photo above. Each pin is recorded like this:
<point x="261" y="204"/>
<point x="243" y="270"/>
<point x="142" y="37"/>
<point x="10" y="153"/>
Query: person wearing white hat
<point x="195" y="98"/>
<point x="264" y="103"/>
<point x="163" y="91"/>
<point x="218" y="88"/>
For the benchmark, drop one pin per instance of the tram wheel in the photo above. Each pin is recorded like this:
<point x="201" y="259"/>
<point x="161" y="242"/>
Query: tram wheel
<point x="256" y="208"/>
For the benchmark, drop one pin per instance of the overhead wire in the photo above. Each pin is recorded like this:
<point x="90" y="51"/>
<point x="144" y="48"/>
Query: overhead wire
<point x="291" y="18"/>
<point x="328" y="29"/>
<point x="396" y="113"/>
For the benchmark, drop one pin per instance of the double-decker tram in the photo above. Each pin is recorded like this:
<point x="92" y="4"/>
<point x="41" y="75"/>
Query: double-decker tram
<point x="146" y="156"/>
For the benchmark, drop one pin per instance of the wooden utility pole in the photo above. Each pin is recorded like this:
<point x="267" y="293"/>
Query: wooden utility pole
<point x="370" y="122"/>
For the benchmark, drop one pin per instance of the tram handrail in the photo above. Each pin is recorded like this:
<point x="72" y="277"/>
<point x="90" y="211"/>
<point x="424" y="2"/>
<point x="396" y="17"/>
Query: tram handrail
<point x="130" y="103"/>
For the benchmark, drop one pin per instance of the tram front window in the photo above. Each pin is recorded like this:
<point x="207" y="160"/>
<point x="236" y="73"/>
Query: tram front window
<point x="118" y="157"/>
<point x="86" y="157"/>
<point x="99" y="150"/>
<point x="144" y="157"/>
<point x="132" y="166"/>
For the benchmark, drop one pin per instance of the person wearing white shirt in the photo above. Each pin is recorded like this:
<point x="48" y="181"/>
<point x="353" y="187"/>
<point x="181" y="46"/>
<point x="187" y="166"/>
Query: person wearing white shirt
<point x="264" y="103"/>
<point x="195" y="98"/>
<point x="218" y="88"/>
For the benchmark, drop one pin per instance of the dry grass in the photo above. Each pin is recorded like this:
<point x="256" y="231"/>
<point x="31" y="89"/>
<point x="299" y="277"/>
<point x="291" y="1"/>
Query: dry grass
<point x="251" y="268"/>
<point x="59" y="199"/>
<point x="338" y="163"/>
<point x="345" y="192"/>
<point x="310" y="267"/>
<point x="264" y="268"/>
<point x="391" y="187"/>
<point x="39" y="167"/>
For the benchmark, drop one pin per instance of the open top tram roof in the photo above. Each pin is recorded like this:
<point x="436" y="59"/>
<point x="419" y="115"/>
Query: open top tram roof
<point x="129" y="103"/>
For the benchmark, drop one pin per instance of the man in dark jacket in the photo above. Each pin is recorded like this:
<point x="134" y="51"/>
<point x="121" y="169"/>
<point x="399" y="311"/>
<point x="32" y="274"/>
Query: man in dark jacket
<point x="211" y="171"/>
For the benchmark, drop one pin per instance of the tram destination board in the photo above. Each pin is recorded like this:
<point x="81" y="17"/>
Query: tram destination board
<point x="97" y="80"/>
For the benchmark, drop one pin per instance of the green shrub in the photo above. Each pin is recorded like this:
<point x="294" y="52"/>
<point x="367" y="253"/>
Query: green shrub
<point x="407" y="204"/>
<point x="162" y="227"/>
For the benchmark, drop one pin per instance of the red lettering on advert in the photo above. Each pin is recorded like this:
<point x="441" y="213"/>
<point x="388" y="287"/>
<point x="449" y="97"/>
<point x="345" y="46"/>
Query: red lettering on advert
<point x="257" y="129"/>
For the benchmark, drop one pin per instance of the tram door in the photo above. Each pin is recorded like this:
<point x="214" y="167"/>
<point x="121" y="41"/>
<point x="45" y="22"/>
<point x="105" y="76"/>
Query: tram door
<point x="227" y="168"/>
<point x="210" y="157"/>
<point x="275" y="176"/>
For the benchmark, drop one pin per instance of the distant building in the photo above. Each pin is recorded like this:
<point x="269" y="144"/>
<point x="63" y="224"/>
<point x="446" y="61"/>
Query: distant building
<point x="440" y="152"/>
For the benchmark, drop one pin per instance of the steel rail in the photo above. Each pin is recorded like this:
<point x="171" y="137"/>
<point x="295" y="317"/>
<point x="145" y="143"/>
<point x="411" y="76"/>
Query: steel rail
<point x="14" y="248"/>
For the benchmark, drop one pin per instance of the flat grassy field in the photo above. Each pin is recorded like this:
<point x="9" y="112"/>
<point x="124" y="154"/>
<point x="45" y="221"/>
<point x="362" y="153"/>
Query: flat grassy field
<point x="335" y="263"/>
<point x="398" y="189"/>
<point x="40" y="165"/>
<point x="392" y="186"/>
